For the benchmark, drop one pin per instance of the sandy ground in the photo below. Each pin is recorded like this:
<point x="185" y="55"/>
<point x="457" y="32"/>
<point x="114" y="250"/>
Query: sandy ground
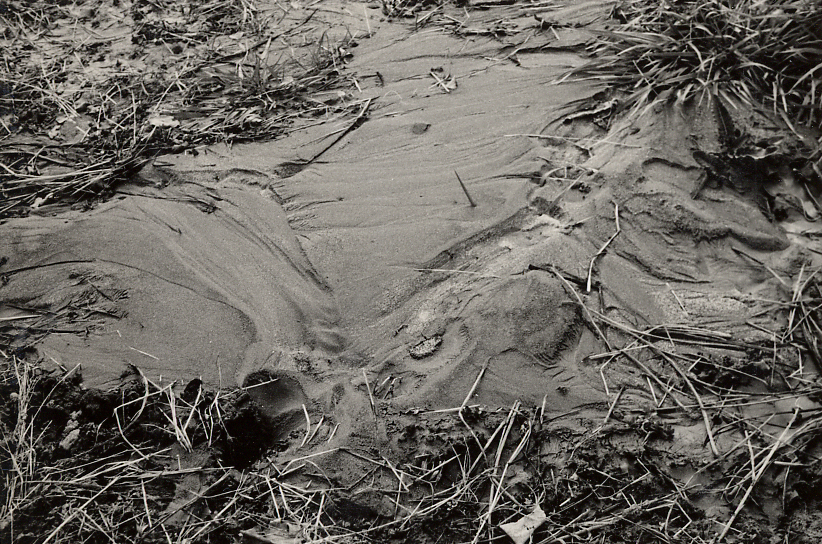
<point x="234" y="267"/>
<point x="368" y="271"/>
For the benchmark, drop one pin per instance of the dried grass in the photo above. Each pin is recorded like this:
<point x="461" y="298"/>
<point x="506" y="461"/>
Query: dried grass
<point x="131" y="115"/>
<point x="735" y="54"/>
<point x="497" y="471"/>
<point x="766" y="436"/>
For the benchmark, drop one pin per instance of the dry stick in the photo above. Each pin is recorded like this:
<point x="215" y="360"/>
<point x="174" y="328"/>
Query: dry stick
<point x="440" y="82"/>
<point x="648" y="372"/>
<point x="370" y="396"/>
<point x="496" y="492"/>
<point x="145" y="503"/>
<point x="418" y="22"/>
<point x="193" y="408"/>
<point x="317" y="428"/>
<point x="373" y="406"/>
<point x="684" y="376"/>
<point x="755" y="476"/>
<point x="254" y="535"/>
<point x="613" y="405"/>
<point x="755" y="465"/>
<point x="433" y="469"/>
<point x="653" y="393"/>
<point x="584" y="307"/>
<point x="542" y="408"/>
<point x="566" y="138"/>
<point x="358" y="120"/>
<point x="639" y="336"/>
<point x="367" y="24"/>
<point x="398" y="474"/>
<point x="603" y="248"/>
<point x="465" y="190"/>
<point x="682" y="306"/>
<point x="698" y="398"/>
<point x="244" y="52"/>
<point x="468" y="398"/>
<point x="307" y="426"/>
<point x="476" y="384"/>
<point x="287" y="467"/>
<point x="333" y="432"/>
<point x="219" y="515"/>
<point x="795" y="299"/>
<point x="126" y="440"/>
<point x="487" y="446"/>
<point x="765" y="266"/>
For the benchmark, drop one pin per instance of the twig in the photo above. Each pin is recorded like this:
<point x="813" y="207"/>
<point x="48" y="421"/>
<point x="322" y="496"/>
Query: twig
<point x="465" y="190"/>
<point x="705" y="418"/>
<point x="367" y="24"/>
<point x="475" y="385"/>
<point x="75" y="512"/>
<point x="613" y="405"/>
<point x="370" y="395"/>
<point x="582" y="304"/>
<point x="307" y="426"/>
<point x="441" y="82"/>
<point x="603" y="248"/>
<point x="678" y="301"/>
<point x="755" y="476"/>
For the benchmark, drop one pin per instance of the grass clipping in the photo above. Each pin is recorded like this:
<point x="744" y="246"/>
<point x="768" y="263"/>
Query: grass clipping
<point x="745" y="54"/>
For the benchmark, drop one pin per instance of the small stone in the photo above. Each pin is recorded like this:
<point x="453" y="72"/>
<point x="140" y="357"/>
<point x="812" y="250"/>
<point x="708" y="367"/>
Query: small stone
<point x="71" y="438"/>
<point x="426" y="347"/>
<point x="420" y="128"/>
<point x="71" y="425"/>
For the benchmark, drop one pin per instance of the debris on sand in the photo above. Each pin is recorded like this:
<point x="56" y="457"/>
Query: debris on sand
<point x="732" y="58"/>
<point x="81" y="110"/>
<point x="617" y="341"/>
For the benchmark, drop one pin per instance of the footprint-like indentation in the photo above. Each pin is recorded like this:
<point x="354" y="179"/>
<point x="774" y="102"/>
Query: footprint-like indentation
<point x="279" y="398"/>
<point x="426" y="348"/>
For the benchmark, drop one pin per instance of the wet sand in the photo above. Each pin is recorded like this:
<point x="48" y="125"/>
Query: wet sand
<point x="369" y="273"/>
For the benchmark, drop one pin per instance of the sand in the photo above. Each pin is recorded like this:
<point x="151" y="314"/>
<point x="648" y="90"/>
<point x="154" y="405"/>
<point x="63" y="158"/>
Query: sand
<point x="235" y="267"/>
<point x="369" y="276"/>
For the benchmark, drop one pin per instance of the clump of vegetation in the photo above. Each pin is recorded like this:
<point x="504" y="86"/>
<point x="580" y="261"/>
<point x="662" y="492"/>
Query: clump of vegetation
<point x="81" y="112"/>
<point x="754" y="54"/>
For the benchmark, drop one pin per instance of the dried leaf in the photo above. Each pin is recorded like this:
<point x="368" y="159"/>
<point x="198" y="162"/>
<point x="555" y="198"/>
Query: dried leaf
<point x="520" y="531"/>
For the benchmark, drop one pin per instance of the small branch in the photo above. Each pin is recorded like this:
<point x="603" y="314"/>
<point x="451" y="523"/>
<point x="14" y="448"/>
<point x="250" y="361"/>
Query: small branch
<point x="465" y="190"/>
<point x="603" y="248"/>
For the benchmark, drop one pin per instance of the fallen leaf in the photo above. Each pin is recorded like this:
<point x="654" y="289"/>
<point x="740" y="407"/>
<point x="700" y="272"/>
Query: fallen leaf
<point x="163" y="121"/>
<point x="520" y="531"/>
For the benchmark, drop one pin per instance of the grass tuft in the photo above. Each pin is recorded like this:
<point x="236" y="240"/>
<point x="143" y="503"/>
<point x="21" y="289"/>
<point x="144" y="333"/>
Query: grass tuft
<point x="743" y="54"/>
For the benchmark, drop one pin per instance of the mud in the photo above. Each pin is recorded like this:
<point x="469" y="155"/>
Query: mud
<point x="363" y="311"/>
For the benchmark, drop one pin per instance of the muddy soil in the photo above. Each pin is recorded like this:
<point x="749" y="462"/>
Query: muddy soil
<point x="420" y="317"/>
